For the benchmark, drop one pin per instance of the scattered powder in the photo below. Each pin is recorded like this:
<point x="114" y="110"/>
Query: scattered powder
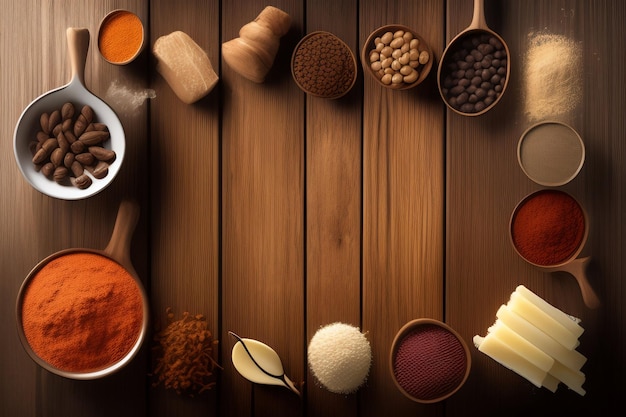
<point x="125" y="99"/>
<point x="552" y="76"/>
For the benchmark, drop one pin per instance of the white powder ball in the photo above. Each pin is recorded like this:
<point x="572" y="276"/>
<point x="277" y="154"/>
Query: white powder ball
<point x="340" y="357"/>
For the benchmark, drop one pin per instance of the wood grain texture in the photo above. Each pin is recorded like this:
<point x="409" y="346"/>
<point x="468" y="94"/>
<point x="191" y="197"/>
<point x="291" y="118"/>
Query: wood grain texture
<point x="262" y="217"/>
<point x="35" y="60"/>
<point x="485" y="184"/>
<point x="274" y="213"/>
<point x="403" y="205"/>
<point x="185" y="194"/>
<point x="333" y="204"/>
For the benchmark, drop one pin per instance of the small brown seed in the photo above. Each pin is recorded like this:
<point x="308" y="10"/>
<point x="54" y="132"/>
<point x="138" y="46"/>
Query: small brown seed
<point x="77" y="147"/>
<point x="85" y="158"/>
<point x="69" y="158"/>
<point x="93" y="137"/>
<point x="67" y="111"/>
<point x="81" y="182"/>
<point x="77" y="169"/>
<point x="48" y="169"/>
<point x="69" y="135"/>
<point x="68" y="124"/>
<point x="43" y="121"/>
<point x="60" y="174"/>
<point x="42" y="136"/>
<point x="58" y="128"/>
<point x="80" y="125"/>
<point x="55" y="119"/>
<point x="101" y="170"/>
<point x="102" y="154"/>
<point x="57" y="156"/>
<point x="46" y="149"/>
<point x="87" y="112"/>
<point x="63" y="142"/>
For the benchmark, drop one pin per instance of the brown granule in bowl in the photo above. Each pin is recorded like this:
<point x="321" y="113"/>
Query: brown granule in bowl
<point x="323" y="65"/>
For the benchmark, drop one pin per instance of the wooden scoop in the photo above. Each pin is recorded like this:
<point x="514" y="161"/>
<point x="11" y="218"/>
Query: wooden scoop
<point x="477" y="26"/>
<point x="572" y="265"/>
<point x="118" y="250"/>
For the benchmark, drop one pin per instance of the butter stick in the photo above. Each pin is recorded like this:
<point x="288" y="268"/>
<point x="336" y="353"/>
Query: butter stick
<point x="573" y="379"/>
<point x="499" y="351"/>
<point x="565" y="320"/>
<point x="185" y="66"/>
<point x="543" y="321"/>
<point x="570" y="358"/>
<point x="522" y="346"/>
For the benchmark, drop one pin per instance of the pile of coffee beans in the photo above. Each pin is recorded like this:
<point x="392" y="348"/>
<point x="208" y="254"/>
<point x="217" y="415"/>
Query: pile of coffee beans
<point x="323" y="65"/>
<point x="473" y="74"/>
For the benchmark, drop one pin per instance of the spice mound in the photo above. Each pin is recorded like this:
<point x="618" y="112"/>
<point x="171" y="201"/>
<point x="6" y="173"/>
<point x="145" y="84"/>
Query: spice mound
<point x="82" y="312"/>
<point x="121" y="37"/>
<point x="473" y="74"/>
<point x="184" y="355"/>
<point x="323" y="65"/>
<point x="548" y="227"/>
<point x="430" y="363"/>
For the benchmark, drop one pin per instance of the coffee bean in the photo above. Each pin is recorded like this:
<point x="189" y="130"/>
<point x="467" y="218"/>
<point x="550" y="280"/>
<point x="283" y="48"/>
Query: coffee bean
<point x="476" y="72"/>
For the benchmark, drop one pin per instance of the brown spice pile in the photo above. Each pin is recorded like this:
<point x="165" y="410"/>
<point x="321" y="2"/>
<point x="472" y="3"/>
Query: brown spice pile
<point x="184" y="360"/>
<point x="324" y="66"/>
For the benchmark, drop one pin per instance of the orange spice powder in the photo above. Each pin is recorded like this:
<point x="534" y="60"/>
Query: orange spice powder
<point x="120" y="37"/>
<point x="82" y="312"/>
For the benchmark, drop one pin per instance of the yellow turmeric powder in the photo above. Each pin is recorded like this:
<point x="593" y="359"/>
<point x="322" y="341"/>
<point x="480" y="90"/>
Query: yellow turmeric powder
<point x="120" y="37"/>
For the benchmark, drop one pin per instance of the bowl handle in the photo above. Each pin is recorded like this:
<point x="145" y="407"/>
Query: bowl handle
<point x="119" y="244"/>
<point x="577" y="268"/>
<point x="78" y="46"/>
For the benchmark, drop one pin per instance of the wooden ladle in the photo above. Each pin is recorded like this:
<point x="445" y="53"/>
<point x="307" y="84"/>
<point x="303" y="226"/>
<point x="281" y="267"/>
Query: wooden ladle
<point x="477" y="26"/>
<point x="572" y="265"/>
<point x="117" y="250"/>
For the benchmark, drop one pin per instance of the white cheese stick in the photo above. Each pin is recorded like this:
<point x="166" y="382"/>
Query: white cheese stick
<point x="570" y="358"/>
<point x="521" y="346"/>
<point x="558" y="315"/>
<point x="543" y="321"/>
<point x="499" y="351"/>
<point x="573" y="379"/>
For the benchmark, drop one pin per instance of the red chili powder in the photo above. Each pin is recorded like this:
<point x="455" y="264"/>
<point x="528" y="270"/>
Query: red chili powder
<point x="82" y="312"/>
<point x="430" y="362"/>
<point x="548" y="227"/>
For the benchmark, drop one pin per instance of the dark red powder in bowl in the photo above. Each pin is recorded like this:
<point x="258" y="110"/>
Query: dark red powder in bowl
<point x="548" y="227"/>
<point x="430" y="362"/>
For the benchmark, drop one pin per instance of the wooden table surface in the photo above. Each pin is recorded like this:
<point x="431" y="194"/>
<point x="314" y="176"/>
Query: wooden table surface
<point x="273" y="213"/>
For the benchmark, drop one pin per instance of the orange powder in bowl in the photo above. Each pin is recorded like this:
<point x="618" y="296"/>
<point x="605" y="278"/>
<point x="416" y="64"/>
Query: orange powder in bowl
<point x="120" y="37"/>
<point x="82" y="312"/>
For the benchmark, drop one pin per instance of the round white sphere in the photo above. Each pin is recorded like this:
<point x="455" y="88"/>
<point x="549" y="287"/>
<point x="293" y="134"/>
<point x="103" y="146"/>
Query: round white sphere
<point x="340" y="357"/>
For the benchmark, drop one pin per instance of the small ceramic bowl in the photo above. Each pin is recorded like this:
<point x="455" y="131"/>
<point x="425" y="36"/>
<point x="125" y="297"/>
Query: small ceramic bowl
<point x="121" y="37"/>
<point x="551" y="153"/>
<point x="429" y="361"/>
<point x="375" y="43"/>
<point x="322" y="65"/>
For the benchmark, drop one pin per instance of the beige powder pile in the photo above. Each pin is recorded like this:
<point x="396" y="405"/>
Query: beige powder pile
<point x="552" y="76"/>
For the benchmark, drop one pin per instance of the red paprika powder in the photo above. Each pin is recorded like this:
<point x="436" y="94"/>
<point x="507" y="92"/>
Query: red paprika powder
<point x="548" y="227"/>
<point x="82" y="312"/>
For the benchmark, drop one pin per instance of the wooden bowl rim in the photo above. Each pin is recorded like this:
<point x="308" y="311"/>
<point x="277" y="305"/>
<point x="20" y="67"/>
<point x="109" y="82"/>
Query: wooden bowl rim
<point x="368" y="46"/>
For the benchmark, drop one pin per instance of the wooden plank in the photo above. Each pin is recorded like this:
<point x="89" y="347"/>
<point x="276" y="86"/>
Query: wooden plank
<point x="185" y="174"/>
<point x="262" y="218"/>
<point x="333" y="204"/>
<point x="35" y="59"/>
<point x="403" y="204"/>
<point x="480" y="249"/>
